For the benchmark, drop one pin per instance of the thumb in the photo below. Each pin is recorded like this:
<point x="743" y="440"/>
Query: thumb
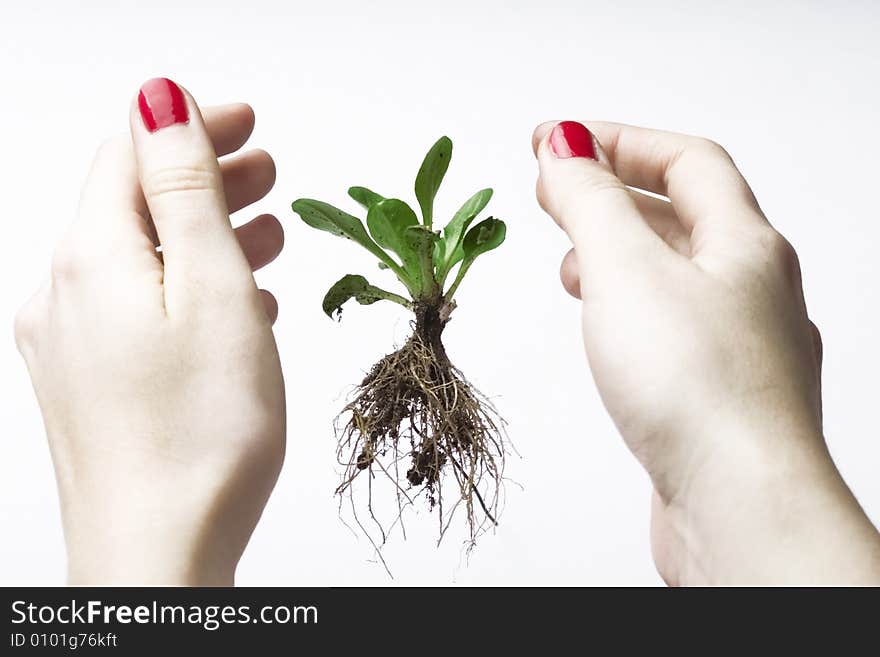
<point x="183" y="189"/>
<point x="578" y="188"/>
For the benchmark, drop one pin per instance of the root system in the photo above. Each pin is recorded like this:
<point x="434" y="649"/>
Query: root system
<point x="416" y="420"/>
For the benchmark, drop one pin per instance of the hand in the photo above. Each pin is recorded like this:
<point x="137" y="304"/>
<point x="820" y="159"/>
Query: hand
<point x="698" y="337"/>
<point x="157" y="374"/>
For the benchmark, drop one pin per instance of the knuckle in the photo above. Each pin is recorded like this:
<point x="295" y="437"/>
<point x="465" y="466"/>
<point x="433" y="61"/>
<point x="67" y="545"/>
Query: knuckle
<point x="694" y="153"/>
<point x="699" y="156"/>
<point x="780" y="254"/>
<point x="780" y="249"/>
<point x="24" y="327"/>
<point x="266" y="157"/>
<point x="587" y="190"/>
<point x="710" y="148"/>
<point x="599" y="182"/>
<point x="68" y="262"/>
<point x="569" y="274"/>
<point x="181" y="179"/>
<point x="818" y="345"/>
<point x="541" y="195"/>
<point x="113" y="147"/>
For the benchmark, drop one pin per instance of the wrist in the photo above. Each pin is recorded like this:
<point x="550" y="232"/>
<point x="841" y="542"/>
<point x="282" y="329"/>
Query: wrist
<point x="134" y="567"/>
<point x="145" y="549"/>
<point x="770" y="509"/>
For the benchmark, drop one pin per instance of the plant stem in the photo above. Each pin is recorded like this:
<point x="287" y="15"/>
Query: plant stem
<point x="462" y="270"/>
<point x="442" y="272"/>
<point x="371" y="293"/>
<point x="396" y="298"/>
<point x="426" y="263"/>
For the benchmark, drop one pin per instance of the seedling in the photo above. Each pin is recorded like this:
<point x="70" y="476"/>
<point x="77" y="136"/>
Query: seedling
<point x="415" y="407"/>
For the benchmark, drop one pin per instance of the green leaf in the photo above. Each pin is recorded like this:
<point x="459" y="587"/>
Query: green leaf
<point x="324" y="216"/>
<point x="366" y="197"/>
<point x="357" y="287"/>
<point x="466" y="214"/>
<point x="431" y="175"/>
<point x="485" y="236"/>
<point x="455" y="229"/>
<point x="387" y="220"/>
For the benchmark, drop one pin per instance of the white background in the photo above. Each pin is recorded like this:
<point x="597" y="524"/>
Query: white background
<point x="353" y="93"/>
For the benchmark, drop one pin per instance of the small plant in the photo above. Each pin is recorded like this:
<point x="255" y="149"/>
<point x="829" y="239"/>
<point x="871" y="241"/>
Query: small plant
<point x="415" y="406"/>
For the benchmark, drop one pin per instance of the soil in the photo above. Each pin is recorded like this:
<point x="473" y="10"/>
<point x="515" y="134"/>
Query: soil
<point x="416" y="408"/>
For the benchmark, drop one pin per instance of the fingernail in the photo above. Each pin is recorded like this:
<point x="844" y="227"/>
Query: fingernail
<point x="572" y="139"/>
<point x="161" y="103"/>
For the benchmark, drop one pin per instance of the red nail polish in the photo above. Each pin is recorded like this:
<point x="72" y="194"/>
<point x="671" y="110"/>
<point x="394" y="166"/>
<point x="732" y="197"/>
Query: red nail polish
<point x="572" y="139"/>
<point x="161" y="103"/>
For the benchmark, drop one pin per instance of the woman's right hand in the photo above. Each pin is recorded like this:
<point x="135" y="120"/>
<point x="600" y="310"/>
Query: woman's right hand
<point x="699" y="341"/>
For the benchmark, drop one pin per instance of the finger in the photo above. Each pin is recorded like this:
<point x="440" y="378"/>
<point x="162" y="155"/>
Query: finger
<point x="30" y="321"/>
<point x="270" y="304"/>
<point x="661" y="217"/>
<point x="113" y="215"/>
<point x="113" y="221"/>
<point x="819" y="351"/>
<point x="569" y="274"/>
<point x="247" y="178"/>
<point x="699" y="176"/>
<point x="666" y="541"/>
<point x="818" y="347"/>
<point x="228" y="126"/>
<point x="183" y="188"/>
<point x="261" y="240"/>
<point x="579" y="190"/>
<point x="542" y="131"/>
<point x="658" y="214"/>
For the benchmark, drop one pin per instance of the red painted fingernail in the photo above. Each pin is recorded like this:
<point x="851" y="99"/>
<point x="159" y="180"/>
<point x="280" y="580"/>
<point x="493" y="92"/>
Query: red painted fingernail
<point x="161" y="103"/>
<point x="572" y="139"/>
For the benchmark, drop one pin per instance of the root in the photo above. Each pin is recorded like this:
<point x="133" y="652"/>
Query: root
<point x="415" y="406"/>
